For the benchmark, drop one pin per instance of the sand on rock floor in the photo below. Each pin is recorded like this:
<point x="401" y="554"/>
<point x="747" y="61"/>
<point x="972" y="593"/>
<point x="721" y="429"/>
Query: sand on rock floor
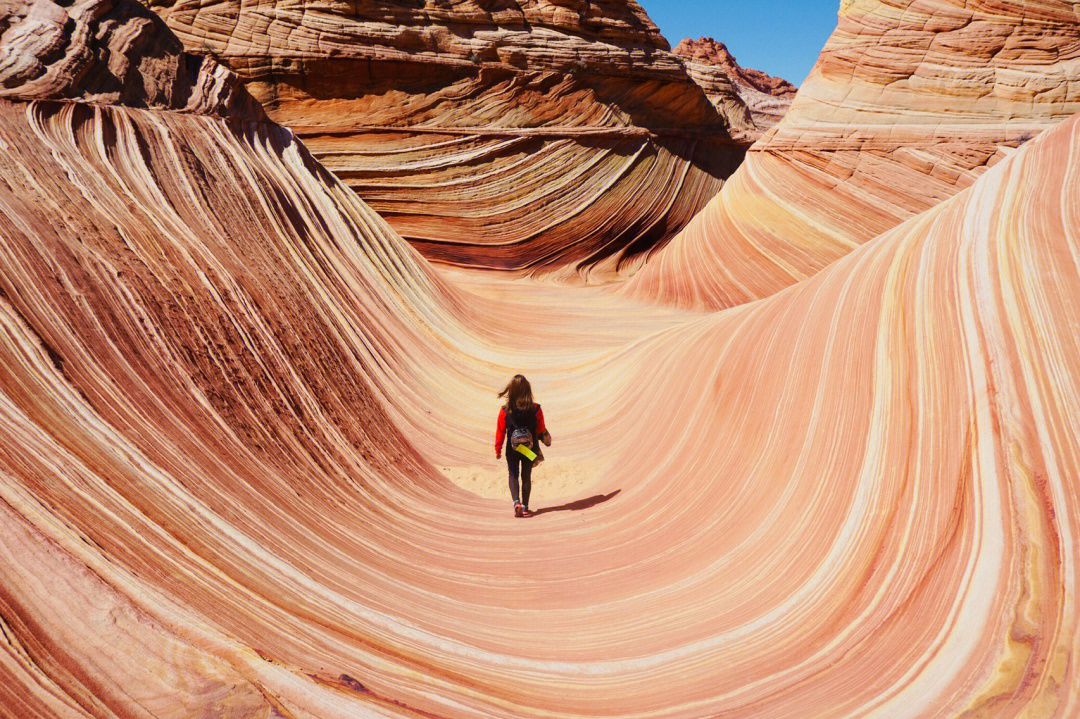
<point x="554" y="479"/>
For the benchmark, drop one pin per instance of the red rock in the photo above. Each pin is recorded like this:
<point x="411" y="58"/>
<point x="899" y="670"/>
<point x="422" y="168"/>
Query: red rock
<point x="710" y="52"/>
<point x="111" y="52"/>
<point x="224" y="382"/>
<point x="908" y="103"/>
<point x="527" y="135"/>
<point x="768" y="98"/>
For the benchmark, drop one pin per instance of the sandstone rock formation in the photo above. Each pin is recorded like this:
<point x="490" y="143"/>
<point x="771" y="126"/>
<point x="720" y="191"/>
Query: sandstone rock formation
<point x="711" y="64"/>
<point x="909" y="102"/>
<point x="110" y="52"/>
<point x="525" y="134"/>
<point x="224" y="381"/>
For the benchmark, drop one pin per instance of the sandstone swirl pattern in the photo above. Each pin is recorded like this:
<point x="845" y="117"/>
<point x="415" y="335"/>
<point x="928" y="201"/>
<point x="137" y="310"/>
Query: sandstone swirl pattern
<point x="908" y="103"/>
<point x="529" y="134"/>
<point x="856" y="497"/>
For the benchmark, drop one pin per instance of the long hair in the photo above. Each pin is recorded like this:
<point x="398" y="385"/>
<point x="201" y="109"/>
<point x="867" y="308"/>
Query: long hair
<point x="517" y="388"/>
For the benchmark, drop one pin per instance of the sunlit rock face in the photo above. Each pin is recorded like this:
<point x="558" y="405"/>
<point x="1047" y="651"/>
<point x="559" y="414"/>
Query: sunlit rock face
<point x="712" y="66"/>
<point x="527" y="134"/>
<point x="908" y="103"/>
<point x="107" y="52"/>
<point x="225" y="381"/>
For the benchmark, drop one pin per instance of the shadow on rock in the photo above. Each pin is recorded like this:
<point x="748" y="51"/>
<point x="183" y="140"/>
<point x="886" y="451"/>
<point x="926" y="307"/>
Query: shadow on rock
<point x="578" y="505"/>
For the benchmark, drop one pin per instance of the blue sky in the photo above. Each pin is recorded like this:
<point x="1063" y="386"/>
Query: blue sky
<point x="780" y="37"/>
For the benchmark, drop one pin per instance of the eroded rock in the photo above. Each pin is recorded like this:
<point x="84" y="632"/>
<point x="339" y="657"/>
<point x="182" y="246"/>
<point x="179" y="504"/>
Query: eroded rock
<point x="110" y="52"/>
<point x="712" y="66"/>
<point x="908" y="103"/>
<point x="526" y="135"/>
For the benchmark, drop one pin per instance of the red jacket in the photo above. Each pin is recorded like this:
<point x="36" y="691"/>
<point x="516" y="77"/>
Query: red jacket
<point x="500" y="427"/>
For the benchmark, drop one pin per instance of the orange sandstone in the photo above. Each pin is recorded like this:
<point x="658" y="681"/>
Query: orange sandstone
<point x="712" y="66"/>
<point x="908" y="103"/>
<point x="224" y="380"/>
<point x="537" y="136"/>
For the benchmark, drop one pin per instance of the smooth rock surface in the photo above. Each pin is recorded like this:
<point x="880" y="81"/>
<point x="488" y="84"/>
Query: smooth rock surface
<point x="528" y="135"/>
<point x="208" y="507"/>
<point x="909" y="102"/>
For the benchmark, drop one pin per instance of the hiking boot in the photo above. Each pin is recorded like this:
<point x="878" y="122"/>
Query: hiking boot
<point x="519" y="511"/>
<point x="526" y="512"/>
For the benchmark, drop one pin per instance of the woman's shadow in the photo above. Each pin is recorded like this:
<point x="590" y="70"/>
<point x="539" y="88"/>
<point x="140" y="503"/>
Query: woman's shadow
<point x="578" y="505"/>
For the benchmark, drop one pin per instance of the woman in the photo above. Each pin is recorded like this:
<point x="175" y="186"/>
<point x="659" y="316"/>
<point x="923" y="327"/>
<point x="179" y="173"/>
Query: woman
<point x="521" y="422"/>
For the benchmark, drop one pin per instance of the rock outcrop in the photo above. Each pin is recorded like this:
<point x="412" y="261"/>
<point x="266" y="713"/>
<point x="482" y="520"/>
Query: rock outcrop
<point x="158" y="244"/>
<point x="107" y="52"/>
<point x="908" y="103"/>
<point x="710" y="63"/>
<point x="525" y="134"/>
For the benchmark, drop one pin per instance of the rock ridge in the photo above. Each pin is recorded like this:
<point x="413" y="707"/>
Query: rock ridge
<point x="600" y="37"/>
<point x="909" y="102"/>
<point x="713" y="52"/>
<point x="711" y="65"/>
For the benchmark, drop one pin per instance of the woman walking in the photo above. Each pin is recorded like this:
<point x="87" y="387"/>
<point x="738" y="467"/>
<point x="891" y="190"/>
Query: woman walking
<point x="520" y="424"/>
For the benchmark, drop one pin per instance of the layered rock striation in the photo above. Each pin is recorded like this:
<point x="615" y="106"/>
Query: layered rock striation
<point x="224" y="382"/>
<point x="890" y="437"/>
<point x="908" y="103"/>
<point x="527" y="135"/>
<point x="175" y="271"/>
<point x="712" y="66"/>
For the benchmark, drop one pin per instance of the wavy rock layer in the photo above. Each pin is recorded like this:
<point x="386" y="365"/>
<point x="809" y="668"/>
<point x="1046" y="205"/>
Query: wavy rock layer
<point x="207" y="509"/>
<point x="909" y="103"/>
<point x="224" y="380"/>
<point x="712" y="66"/>
<point x="523" y="135"/>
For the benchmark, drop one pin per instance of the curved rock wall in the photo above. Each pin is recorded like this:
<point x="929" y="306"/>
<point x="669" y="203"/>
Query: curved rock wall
<point x="860" y="493"/>
<point x="909" y="102"/>
<point x="225" y="382"/>
<point x="536" y="136"/>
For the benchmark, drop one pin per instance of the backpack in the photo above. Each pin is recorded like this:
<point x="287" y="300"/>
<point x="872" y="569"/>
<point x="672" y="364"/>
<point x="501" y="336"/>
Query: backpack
<point x="521" y="426"/>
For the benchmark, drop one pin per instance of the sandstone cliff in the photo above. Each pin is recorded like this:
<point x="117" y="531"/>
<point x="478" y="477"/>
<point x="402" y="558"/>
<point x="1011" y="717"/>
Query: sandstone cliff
<point x="908" y="103"/>
<point x="767" y="98"/>
<point x="526" y="134"/>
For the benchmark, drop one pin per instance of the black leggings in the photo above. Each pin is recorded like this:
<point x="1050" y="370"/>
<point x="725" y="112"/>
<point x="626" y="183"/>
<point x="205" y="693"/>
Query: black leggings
<point x="515" y="459"/>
